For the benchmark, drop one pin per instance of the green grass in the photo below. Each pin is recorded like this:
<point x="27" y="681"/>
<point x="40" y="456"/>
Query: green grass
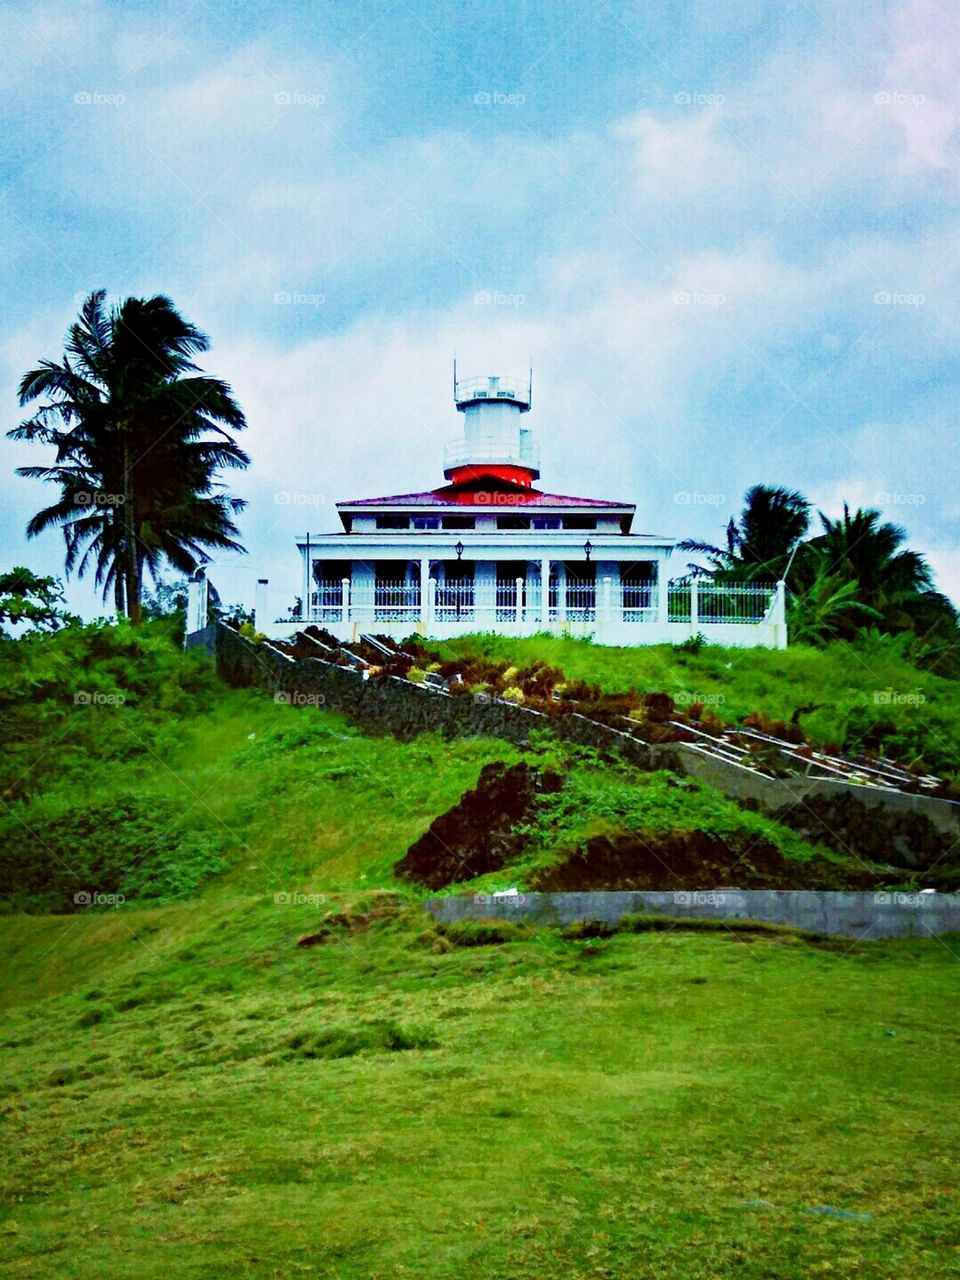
<point x="861" y="689"/>
<point x="189" y="1093"/>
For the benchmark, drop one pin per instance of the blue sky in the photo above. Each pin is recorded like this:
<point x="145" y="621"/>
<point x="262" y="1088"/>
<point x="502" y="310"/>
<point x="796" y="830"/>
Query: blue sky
<point x="726" y="232"/>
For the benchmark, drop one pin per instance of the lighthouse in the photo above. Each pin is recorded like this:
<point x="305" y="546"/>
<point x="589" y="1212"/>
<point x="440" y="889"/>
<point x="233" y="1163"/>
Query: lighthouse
<point x="489" y="550"/>
<point x="495" y="442"/>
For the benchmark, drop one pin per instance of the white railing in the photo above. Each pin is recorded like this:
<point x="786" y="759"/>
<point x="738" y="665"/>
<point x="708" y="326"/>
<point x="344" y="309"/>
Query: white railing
<point x="581" y="601"/>
<point x="454" y="602"/>
<point x="695" y="602"/>
<point x="461" y="452"/>
<point x="326" y="602"/>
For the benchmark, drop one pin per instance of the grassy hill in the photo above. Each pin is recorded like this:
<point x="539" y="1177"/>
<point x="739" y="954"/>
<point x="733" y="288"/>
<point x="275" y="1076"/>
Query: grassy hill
<point x="186" y="1090"/>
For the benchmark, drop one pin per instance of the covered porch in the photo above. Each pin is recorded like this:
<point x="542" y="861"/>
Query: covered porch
<point x="627" y="600"/>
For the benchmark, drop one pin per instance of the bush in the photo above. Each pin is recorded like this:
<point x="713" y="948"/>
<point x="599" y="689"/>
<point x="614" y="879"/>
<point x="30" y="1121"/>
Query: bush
<point x="130" y="849"/>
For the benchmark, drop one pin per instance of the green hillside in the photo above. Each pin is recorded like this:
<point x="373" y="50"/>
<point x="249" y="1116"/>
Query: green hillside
<point x="186" y="1090"/>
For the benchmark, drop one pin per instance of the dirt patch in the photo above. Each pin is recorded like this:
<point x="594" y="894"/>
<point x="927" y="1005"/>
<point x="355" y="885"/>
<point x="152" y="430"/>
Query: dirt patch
<point x="693" y="860"/>
<point x="477" y="835"/>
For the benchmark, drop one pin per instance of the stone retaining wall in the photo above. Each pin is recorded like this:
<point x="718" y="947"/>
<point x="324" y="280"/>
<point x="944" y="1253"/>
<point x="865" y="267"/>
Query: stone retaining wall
<point x="862" y="916"/>
<point x="911" y="831"/>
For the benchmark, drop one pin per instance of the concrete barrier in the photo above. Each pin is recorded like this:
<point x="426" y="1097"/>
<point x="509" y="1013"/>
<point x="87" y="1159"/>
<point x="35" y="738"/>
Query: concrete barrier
<point x="862" y="916"/>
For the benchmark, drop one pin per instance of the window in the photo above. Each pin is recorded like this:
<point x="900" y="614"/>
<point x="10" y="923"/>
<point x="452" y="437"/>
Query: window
<point x="513" y="522"/>
<point x="393" y="522"/>
<point x="459" y="522"/>
<point x="579" y="522"/>
<point x="546" y="522"/>
<point x="426" y="522"/>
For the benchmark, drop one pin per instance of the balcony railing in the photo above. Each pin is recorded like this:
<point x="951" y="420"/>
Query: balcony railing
<point x="460" y="453"/>
<point x="488" y="604"/>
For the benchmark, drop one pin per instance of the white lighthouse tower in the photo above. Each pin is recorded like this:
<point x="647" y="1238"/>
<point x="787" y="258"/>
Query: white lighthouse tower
<point x="495" y="442"/>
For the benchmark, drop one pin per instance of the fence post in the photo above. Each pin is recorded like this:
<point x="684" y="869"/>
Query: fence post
<point x="519" y="599"/>
<point x="260" y="620"/>
<point x="196" y="606"/>
<point x="694" y="602"/>
<point x="344" y="600"/>
<point x="663" y="592"/>
<point x="780" y="615"/>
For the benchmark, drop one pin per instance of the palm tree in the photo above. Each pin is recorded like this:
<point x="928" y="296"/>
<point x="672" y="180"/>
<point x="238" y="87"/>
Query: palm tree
<point x="891" y="580"/>
<point x="771" y="525"/>
<point x="140" y="437"/>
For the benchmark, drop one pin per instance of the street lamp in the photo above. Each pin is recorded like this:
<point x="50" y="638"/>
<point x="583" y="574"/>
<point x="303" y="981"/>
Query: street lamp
<point x="459" y="550"/>
<point x="587" y="548"/>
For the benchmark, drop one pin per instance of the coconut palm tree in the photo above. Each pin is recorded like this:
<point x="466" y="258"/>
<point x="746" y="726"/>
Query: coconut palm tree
<point x="772" y="523"/>
<point x="140" y="436"/>
<point x="891" y="580"/>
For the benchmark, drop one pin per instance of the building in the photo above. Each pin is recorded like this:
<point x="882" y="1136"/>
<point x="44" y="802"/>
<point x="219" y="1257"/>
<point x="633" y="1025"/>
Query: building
<point x="490" y="550"/>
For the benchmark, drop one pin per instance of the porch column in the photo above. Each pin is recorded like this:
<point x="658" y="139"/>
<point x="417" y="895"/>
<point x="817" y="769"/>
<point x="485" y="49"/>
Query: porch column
<point x="344" y="600"/>
<point x="431" y="602"/>
<point x="545" y="593"/>
<point x="424" y="588"/>
<point x="663" y="591"/>
<point x="519" y="599"/>
<point x="305" y="610"/>
<point x="561" y="592"/>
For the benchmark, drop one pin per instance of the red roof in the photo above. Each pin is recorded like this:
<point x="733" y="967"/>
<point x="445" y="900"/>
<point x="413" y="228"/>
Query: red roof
<point x="495" y="498"/>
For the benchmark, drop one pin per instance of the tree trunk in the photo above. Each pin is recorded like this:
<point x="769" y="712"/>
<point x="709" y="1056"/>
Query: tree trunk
<point x="131" y="559"/>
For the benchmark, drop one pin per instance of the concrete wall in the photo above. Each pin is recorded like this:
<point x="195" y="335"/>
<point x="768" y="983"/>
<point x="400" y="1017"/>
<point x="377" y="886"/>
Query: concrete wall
<point x="863" y="916"/>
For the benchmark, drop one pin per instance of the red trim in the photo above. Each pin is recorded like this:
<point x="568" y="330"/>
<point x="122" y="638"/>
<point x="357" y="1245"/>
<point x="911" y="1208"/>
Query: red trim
<point x="475" y="471"/>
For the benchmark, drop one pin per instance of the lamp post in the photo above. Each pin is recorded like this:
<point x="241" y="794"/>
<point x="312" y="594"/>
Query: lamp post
<point x="459" y="587"/>
<point x="587" y="548"/>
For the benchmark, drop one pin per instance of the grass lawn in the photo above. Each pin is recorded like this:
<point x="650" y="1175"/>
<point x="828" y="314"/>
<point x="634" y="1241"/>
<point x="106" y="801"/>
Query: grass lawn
<point x="191" y="1094"/>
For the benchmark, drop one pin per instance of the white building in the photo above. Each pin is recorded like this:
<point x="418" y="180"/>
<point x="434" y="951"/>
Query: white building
<point x="490" y="551"/>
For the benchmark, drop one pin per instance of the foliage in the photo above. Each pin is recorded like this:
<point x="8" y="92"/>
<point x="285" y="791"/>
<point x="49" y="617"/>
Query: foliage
<point x="26" y="598"/>
<point x="758" y="545"/>
<point x="130" y="849"/>
<point x="139" y="436"/>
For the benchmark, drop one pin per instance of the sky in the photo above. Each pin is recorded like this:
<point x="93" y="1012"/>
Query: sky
<point x="725" y="232"/>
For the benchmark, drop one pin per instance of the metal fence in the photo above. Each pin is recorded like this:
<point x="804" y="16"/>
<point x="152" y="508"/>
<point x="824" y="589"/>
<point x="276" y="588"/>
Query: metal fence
<point x="703" y="601"/>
